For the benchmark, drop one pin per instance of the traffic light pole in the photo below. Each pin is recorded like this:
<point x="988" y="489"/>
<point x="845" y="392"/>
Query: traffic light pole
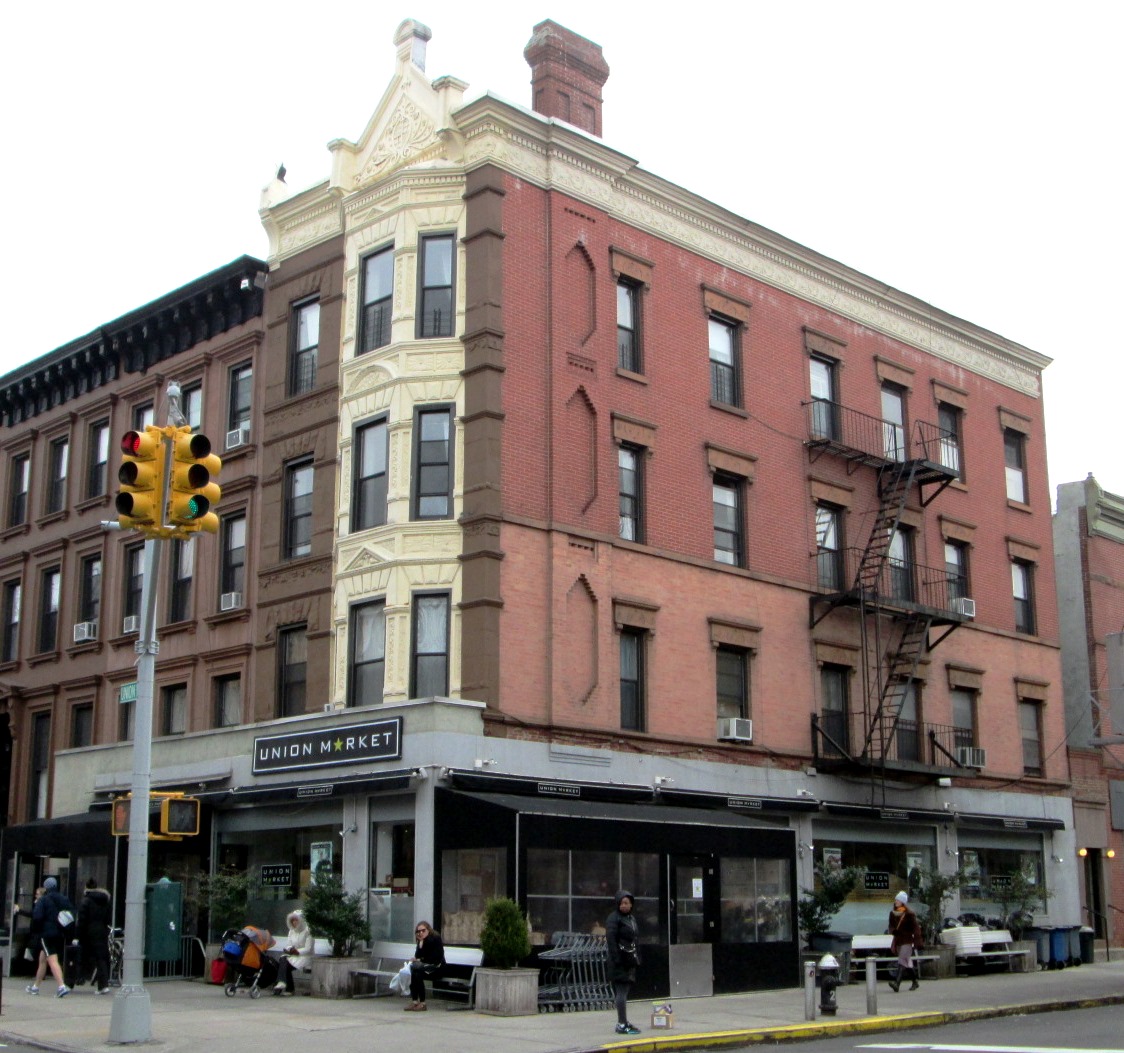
<point x="131" y="1018"/>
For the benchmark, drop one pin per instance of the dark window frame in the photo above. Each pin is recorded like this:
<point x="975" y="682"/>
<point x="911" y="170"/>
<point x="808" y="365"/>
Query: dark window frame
<point x="361" y="670"/>
<point x="376" y="316"/>
<point x="421" y="487"/>
<point x="13" y="607"/>
<point x="1025" y="615"/>
<point x="82" y="725"/>
<point x="19" y="488"/>
<point x="731" y="670"/>
<point x="632" y="647"/>
<point x="39" y="764"/>
<point x="47" y="624"/>
<point x="440" y="328"/>
<point x="187" y="396"/>
<point x="370" y="490"/>
<point x="895" y="434"/>
<point x="179" y="583"/>
<point x="133" y="580"/>
<point x="964" y="734"/>
<point x="830" y="567"/>
<point x="90" y="587"/>
<point x="97" y="465"/>
<point x="219" y="686"/>
<point x="735" y="485"/>
<point x="232" y="575"/>
<point x="1031" y="745"/>
<point x="630" y="332"/>
<point x="950" y="421"/>
<point x="173" y="709"/>
<point x="303" y="359"/>
<point x="956" y="570"/>
<point x="1014" y="465"/>
<point x="292" y="676"/>
<point x="725" y="377"/>
<point x="835" y="719"/>
<point x="58" y="468"/>
<point x="420" y="680"/>
<point x="825" y="409"/>
<point x="240" y="395"/>
<point x="630" y="498"/>
<point x="298" y="510"/>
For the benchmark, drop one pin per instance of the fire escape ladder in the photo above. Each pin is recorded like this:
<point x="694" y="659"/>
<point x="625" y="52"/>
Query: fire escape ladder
<point x="894" y="484"/>
<point x="901" y="670"/>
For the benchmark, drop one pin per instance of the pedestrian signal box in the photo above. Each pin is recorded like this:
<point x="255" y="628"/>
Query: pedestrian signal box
<point x="171" y="816"/>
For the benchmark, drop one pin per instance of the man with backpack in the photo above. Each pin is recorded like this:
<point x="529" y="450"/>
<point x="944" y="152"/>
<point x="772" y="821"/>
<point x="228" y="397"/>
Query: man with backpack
<point x="53" y="916"/>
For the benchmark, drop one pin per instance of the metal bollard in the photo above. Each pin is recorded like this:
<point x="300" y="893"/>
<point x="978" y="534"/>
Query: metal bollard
<point x="871" y="987"/>
<point x="809" y="990"/>
<point x="829" y="981"/>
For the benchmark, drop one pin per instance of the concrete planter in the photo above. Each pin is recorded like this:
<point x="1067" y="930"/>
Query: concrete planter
<point x="507" y="992"/>
<point x="331" y="977"/>
<point x="946" y="963"/>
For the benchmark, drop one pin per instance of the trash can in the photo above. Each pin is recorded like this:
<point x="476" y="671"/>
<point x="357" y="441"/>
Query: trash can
<point x="1041" y="936"/>
<point x="1086" y="936"/>
<point x="1074" y="933"/>
<point x="1059" y="946"/>
<point x="72" y="964"/>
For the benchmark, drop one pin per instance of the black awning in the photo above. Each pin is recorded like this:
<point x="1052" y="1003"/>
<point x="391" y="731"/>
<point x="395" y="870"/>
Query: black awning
<point x="84" y="832"/>
<point x="745" y="802"/>
<point x="1009" y="822"/>
<point x="311" y="789"/>
<point x="483" y="782"/>
<point x="889" y="814"/>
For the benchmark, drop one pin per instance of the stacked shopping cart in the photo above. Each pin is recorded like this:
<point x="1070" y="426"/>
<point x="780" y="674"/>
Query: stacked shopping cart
<point x="574" y="974"/>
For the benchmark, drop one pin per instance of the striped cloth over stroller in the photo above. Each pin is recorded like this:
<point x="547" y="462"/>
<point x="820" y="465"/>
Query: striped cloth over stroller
<point x="247" y="964"/>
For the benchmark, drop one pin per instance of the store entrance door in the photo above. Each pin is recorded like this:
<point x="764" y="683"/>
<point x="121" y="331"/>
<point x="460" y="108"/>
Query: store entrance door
<point x="693" y="903"/>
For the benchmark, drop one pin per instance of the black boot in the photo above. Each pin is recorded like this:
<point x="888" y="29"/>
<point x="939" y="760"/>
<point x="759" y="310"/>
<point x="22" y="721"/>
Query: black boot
<point x="896" y="981"/>
<point x="913" y="975"/>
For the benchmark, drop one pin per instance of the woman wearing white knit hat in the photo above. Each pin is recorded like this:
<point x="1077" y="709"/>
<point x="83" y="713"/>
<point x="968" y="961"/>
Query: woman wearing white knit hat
<point x="906" y="932"/>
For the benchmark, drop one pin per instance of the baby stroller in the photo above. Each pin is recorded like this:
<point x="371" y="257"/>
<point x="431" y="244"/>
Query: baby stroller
<point x="247" y="964"/>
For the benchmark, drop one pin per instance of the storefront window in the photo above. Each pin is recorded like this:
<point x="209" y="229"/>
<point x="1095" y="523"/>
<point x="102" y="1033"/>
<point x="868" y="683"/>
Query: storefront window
<point x="989" y="871"/>
<point x="469" y="878"/>
<point x="756" y="902"/>
<point x="572" y="891"/>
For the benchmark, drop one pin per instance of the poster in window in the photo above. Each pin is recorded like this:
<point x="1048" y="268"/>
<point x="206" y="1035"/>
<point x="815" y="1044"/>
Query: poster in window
<point x="833" y="859"/>
<point x="319" y="857"/>
<point x="914" y="861"/>
<point x="970" y="862"/>
<point x="1028" y="864"/>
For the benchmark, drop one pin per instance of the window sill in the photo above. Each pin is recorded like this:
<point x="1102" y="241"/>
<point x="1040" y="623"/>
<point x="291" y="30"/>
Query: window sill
<point x="628" y="374"/>
<point x="15" y="531"/>
<point x="183" y="626"/>
<point x="725" y="407"/>
<point x="239" y="614"/>
<point x="53" y="517"/>
<point x="92" y="647"/>
<point x="7" y="667"/>
<point x="1018" y="506"/>
<point x="43" y="659"/>
<point x="236" y="453"/>
<point x="94" y="501"/>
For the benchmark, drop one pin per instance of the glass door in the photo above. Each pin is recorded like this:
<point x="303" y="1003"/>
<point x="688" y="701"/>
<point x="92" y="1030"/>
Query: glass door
<point x="692" y="901"/>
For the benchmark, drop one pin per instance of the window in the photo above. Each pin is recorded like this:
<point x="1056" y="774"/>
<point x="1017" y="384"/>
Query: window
<point x="241" y="392"/>
<point x="40" y="765"/>
<point x="173" y="706"/>
<point x="963" y="717"/>
<point x="834" y="687"/>
<point x="723" y="361"/>
<point x="956" y="570"/>
<point x="1022" y="587"/>
<point x="233" y="554"/>
<point x="429" y="664"/>
<point x="829" y="548"/>
<point x="306" y="344"/>
<point x="378" y="281"/>
<point x="435" y="298"/>
<point x="732" y="669"/>
<point x="183" y="569"/>
<point x="825" y="409"/>
<point x="368" y="653"/>
<point x="899" y="562"/>
<point x="57" y="461"/>
<point x="628" y="326"/>
<point x="631" y="483"/>
<point x="228" y="701"/>
<point x="50" y="587"/>
<point x="143" y="416"/>
<point x="298" y="510"/>
<point x="20" y="480"/>
<point x="433" y="464"/>
<point x="728" y="542"/>
<point x="908" y="731"/>
<point x="369" y="500"/>
<point x="128" y="721"/>
<point x="950" y="422"/>
<point x="82" y="726"/>
<point x="893" y="422"/>
<point x="134" y="580"/>
<point x="1014" y="458"/>
<point x="13" y="598"/>
<point x="293" y="674"/>
<point x="1030" y="730"/>
<point x="97" y="469"/>
<point x="191" y="405"/>
<point x="89" y="589"/>
<point x="632" y="679"/>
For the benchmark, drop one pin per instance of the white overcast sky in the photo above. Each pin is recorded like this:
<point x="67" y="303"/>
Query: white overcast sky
<point x="967" y="153"/>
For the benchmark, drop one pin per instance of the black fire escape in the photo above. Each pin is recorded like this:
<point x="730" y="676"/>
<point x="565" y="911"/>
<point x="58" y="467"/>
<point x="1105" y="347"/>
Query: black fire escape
<point x="904" y="610"/>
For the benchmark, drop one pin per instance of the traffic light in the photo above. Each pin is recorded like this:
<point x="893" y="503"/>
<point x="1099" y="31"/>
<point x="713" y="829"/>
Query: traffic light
<point x="193" y="492"/>
<point x="142" y="478"/>
<point x="179" y="816"/>
<point x="119" y="817"/>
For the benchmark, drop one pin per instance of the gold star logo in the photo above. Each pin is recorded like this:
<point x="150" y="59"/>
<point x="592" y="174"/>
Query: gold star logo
<point x="339" y="745"/>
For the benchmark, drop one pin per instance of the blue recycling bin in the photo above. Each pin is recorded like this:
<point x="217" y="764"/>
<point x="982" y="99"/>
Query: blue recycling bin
<point x="1041" y="936"/>
<point x="1059" y="947"/>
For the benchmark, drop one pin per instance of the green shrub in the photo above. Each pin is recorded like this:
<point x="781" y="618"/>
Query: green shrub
<point x="335" y="914"/>
<point x="504" y="938"/>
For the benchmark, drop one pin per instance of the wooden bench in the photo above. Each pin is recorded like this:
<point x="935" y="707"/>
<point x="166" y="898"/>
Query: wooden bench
<point x="978" y="948"/>
<point x="456" y="980"/>
<point x="878" y="948"/>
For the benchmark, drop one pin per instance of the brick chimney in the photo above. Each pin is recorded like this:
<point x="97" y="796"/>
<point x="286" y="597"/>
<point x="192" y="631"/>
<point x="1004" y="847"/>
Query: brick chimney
<point x="567" y="74"/>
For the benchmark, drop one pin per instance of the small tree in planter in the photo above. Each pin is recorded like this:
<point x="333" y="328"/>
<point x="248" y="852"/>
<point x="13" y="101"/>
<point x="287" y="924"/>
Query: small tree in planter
<point x="502" y="989"/>
<point x="1016" y="894"/>
<point x="818" y="906"/>
<point x="226" y="895"/>
<point x="935" y="891"/>
<point x="335" y="914"/>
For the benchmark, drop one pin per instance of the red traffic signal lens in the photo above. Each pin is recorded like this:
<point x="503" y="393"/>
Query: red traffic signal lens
<point x="131" y="443"/>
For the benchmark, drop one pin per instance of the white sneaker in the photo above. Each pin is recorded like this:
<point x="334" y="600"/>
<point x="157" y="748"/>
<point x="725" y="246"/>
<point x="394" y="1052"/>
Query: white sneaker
<point x="32" y="989"/>
<point x="63" y="991"/>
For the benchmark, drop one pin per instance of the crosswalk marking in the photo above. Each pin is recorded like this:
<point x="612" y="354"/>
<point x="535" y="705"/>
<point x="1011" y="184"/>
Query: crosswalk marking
<point x="984" y="1049"/>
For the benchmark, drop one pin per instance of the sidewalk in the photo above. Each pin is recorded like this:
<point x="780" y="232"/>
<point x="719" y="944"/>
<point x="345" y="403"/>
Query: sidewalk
<point x="190" y="1015"/>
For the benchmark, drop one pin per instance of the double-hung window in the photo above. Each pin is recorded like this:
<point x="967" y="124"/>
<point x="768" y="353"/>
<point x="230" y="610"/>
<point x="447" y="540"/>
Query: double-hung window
<point x="82" y="725"/>
<point x="429" y="665"/>
<point x="893" y="422"/>
<point x="729" y="540"/>
<point x="18" y="485"/>
<point x="1014" y="460"/>
<point x="835" y="707"/>
<point x="89" y="589"/>
<point x="292" y="676"/>
<point x="134" y="583"/>
<point x="378" y="290"/>
<point x="233" y="555"/>
<point x="191" y="405"/>
<point x="963" y="717"/>
<point x="632" y="679"/>
<point x="435" y="295"/>
<point x="732" y="667"/>
<point x="97" y="460"/>
<point x="628" y="326"/>
<point x="50" y="585"/>
<point x="240" y="399"/>
<point x="40" y="763"/>
<point x="13" y="599"/>
<point x="144" y="414"/>
<point x="950" y="422"/>
<point x="305" y="346"/>
<point x="369" y="500"/>
<point x="899" y="563"/>
<point x="228" y="701"/>
<point x="57" y="464"/>
<point x="298" y="509"/>
<point x="630" y="476"/>
<point x="174" y="707"/>
<point x="829" y="547"/>
<point x="825" y="401"/>
<point x="433" y="464"/>
<point x="956" y="571"/>
<point x="1022" y="588"/>
<point x="724" y="376"/>
<point x="183" y="571"/>
<point x="368" y="653"/>
<point x="1030" y="731"/>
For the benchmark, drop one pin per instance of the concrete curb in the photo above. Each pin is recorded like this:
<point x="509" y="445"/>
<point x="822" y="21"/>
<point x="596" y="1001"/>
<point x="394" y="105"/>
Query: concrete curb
<point x="743" y="1037"/>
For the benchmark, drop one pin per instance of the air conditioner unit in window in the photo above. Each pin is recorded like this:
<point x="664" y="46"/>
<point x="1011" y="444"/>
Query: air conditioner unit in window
<point x="230" y="601"/>
<point x="971" y="756"/>
<point x="238" y="436"/>
<point x="131" y="624"/>
<point x="964" y="606"/>
<point x="735" y="729"/>
<point x="85" y="631"/>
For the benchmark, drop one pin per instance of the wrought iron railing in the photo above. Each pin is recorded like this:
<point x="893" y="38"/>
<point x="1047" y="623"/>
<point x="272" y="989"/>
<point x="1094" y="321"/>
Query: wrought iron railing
<point x="836" y="736"/>
<point x="842" y="428"/>
<point x="901" y="584"/>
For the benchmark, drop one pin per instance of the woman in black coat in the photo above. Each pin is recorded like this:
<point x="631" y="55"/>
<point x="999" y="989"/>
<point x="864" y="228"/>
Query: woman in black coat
<point x="621" y="934"/>
<point x="429" y="957"/>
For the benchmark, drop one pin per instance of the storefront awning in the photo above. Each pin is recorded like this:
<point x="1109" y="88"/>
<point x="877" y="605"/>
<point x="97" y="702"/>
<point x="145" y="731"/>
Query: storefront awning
<point x="482" y="782"/>
<point x="1009" y="822"/>
<point x="312" y="789"/>
<point x="932" y="815"/>
<point x="84" y="832"/>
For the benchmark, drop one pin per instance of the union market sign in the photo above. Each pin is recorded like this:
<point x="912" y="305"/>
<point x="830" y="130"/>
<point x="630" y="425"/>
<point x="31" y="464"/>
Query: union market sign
<point x="356" y="743"/>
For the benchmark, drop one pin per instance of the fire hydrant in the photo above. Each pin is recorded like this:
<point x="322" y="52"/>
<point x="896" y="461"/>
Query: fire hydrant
<point x="829" y="980"/>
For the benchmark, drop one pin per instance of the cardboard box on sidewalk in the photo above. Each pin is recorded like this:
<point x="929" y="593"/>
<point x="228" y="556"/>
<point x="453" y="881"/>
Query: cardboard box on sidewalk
<point x="663" y="1017"/>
